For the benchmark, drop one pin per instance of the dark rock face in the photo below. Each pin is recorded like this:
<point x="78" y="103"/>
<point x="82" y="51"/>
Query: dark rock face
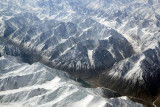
<point x="137" y="76"/>
<point x="83" y="39"/>
<point x="103" y="58"/>
<point x="150" y="2"/>
<point x="78" y="55"/>
<point x="157" y="17"/>
<point x="67" y="45"/>
<point x="145" y="23"/>
<point x="158" y="23"/>
<point x="9" y="29"/>
<point x="11" y="50"/>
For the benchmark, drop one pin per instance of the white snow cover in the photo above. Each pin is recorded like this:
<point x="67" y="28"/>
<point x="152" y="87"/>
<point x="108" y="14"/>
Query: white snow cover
<point x="90" y="55"/>
<point x="134" y="70"/>
<point x="24" y="85"/>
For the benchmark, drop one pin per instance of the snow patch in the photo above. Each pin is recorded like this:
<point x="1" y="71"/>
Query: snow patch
<point x="90" y="56"/>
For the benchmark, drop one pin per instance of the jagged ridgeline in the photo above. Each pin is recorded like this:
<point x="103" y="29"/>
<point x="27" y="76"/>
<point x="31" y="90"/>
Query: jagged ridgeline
<point x="116" y="39"/>
<point x="68" y="46"/>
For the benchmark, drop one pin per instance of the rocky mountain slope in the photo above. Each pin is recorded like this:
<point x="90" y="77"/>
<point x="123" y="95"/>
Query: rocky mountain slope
<point x="137" y="76"/>
<point x="36" y="85"/>
<point x="85" y="38"/>
<point x="57" y="29"/>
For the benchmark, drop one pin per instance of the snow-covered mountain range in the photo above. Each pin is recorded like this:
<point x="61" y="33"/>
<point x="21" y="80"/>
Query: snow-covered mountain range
<point x="137" y="76"/>
<point x="86" y="37"/>
<point x="24" y="85"/>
